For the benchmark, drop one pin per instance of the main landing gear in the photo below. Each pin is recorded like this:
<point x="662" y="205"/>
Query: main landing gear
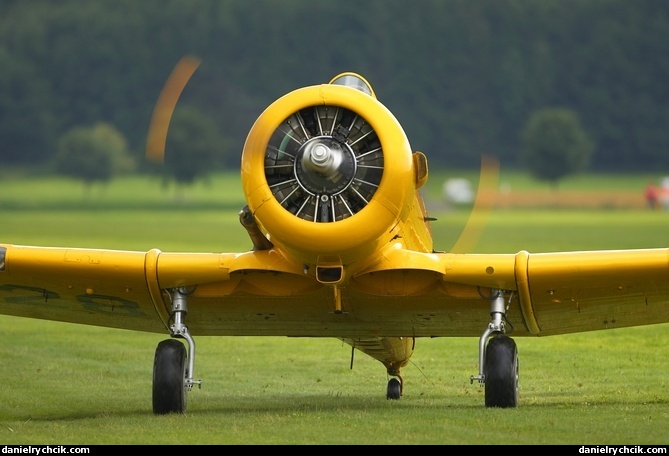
<point x="498" y="362"/>
<point x="172" y="366"/>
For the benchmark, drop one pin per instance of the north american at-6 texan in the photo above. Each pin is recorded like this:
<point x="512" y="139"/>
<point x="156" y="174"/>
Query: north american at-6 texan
<point x="341" y="247"/>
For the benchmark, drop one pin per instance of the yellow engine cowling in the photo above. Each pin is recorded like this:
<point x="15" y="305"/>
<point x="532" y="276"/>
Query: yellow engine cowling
<point x="328" y="174"/>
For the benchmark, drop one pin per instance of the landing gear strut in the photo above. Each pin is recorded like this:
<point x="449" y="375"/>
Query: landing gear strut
<point x="498" y="362"/>
<point x="173" y="366"/>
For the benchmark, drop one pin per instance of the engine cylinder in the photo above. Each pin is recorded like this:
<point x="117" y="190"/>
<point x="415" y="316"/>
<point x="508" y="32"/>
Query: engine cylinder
<point x="327" y="171"/>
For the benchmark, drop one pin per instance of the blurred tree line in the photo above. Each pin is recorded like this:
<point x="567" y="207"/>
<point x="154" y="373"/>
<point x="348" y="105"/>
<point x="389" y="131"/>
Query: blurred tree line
<point x="464" y="77"/>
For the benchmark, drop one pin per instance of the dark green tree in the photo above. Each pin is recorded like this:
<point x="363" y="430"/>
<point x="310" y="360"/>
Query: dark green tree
<point x="193" y="148"/>
<point x="25" y="126"/>
<point x="93" y="154"/>
<point x="462" y="76"/>
<point x="555" y="145"/>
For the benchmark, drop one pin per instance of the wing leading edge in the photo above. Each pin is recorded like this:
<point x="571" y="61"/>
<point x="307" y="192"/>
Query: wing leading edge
<point x="95" y="287"/>
<point x="404" y="294"/>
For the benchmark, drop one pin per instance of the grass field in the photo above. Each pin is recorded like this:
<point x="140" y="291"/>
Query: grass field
<point x="73" y="384"/>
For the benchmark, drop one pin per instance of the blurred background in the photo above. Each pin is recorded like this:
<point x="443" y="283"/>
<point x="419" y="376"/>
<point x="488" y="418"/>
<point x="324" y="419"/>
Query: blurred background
<point x="464" y="77"/>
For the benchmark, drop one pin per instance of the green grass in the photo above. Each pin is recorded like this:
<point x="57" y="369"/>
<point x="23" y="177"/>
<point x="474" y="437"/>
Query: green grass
<point x="73" y="384"/>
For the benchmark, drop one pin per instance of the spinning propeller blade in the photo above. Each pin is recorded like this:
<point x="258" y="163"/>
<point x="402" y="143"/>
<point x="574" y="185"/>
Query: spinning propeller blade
<point x="167" y="101"/>
<point x="485" y="200"/>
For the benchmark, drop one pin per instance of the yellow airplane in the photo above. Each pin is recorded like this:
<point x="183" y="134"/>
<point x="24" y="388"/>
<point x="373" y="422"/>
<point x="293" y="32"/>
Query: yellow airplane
<point x="341" y="248"/>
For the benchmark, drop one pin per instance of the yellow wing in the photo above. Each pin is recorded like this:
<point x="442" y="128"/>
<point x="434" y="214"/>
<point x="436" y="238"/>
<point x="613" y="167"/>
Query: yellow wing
<point x="96" y="287"/>
<point x="406" y="293"/>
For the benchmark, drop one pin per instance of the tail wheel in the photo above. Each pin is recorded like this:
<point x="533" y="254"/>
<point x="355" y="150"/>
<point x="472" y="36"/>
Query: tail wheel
<point x="169" y="377"/>
<point x="501" y="373"/>
<point x="324" y="163"/>
<point x="394" y="390"/>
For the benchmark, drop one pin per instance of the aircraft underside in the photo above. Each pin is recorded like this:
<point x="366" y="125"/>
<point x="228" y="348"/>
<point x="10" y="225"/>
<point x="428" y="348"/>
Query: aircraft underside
<point x="498" y="358"/>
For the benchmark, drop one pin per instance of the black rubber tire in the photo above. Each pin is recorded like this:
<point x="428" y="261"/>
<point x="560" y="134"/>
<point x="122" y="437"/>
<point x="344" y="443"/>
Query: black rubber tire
<point x="501" y="373"/>
<point x="169" y="375"/>
<point x="394" y="390"/>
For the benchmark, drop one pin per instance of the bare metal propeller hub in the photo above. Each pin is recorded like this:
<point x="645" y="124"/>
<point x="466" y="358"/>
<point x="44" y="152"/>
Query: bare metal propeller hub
<point x="325" y="166"/>
<point x="322" y="156"/>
